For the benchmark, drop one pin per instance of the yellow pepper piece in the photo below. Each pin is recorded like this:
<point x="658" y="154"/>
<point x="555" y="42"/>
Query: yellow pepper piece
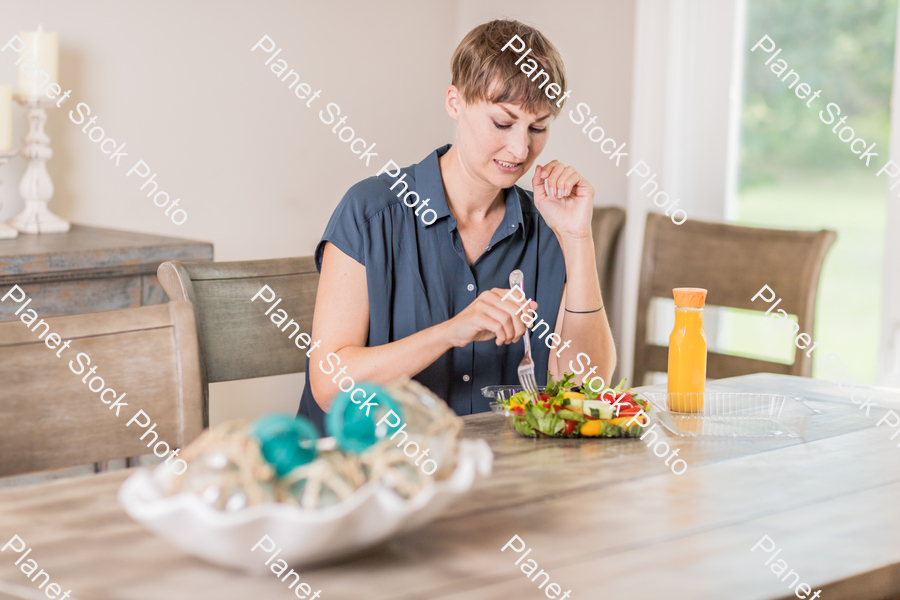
<point x="642" y="420"/>
<point x="574" y="395"/>
<point x="591" y="428"/>
<point x="514" y="403"/>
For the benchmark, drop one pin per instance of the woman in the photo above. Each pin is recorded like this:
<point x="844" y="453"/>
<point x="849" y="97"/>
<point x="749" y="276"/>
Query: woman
<point x="423" y="295"/>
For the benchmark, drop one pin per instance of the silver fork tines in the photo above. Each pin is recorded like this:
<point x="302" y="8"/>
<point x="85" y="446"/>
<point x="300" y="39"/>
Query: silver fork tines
<point x="526" y="367"/>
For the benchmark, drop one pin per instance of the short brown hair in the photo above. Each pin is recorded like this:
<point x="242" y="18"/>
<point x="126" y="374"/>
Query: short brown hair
<point x="482" y="71"/>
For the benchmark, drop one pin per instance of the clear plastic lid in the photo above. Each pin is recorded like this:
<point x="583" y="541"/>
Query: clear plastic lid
<point x="730" y="414"/>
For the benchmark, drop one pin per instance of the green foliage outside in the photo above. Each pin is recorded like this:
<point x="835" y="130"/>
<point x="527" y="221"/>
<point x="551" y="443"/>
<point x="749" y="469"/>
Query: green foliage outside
<point x="796" y="174"/>
<point x="844" y="48"/>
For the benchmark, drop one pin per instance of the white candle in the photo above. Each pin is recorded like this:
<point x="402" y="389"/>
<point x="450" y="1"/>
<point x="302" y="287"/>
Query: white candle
<point x="37" y="62"/>
<point x="5" y="118"/>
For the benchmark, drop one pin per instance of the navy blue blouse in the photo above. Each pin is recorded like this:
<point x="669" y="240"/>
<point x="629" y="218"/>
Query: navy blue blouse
<point x="418" y="276"/>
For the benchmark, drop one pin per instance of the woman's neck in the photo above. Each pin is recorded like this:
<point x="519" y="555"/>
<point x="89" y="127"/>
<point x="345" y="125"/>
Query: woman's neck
<point x="468" y="198"/>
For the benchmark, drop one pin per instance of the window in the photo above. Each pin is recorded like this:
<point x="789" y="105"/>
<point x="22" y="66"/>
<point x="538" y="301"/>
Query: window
<point x="795" y="173"/>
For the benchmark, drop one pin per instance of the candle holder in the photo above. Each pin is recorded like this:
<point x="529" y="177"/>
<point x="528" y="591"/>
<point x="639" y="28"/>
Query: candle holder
<point x="36" y="187"/>
<point x="7" y="232"/>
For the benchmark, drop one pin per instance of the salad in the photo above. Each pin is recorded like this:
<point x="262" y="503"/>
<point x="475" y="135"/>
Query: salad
<point x="564" y="411"/>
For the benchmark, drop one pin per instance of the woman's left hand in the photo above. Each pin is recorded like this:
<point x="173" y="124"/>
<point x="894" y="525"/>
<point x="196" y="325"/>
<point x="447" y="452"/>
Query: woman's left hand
<point x="568" y="208"/>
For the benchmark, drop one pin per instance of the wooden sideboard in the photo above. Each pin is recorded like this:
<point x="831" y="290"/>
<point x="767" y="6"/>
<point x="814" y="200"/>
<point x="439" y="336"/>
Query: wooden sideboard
<point x="89" y="269"/>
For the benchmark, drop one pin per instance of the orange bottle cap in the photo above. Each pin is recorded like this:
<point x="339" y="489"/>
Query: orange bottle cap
<point x="689" y="297"/>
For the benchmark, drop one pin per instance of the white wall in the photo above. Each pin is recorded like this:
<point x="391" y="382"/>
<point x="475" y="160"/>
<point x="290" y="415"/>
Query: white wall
<point x="257" y="172"/>
<point x="683" y="125"/>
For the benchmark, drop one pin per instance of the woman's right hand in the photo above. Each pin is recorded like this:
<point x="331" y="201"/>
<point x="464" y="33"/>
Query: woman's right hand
<point x="488" y="317"/>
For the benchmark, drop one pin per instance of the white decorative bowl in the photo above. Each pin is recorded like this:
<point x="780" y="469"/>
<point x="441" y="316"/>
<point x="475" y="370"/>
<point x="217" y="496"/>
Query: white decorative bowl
<point x="371" y="515"/>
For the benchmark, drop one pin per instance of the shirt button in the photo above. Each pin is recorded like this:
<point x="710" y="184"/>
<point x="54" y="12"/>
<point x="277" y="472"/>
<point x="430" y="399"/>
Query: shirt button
<point x="466" y="377"/>
<point x="513" y="225"/>
<point x="470" y="287"/>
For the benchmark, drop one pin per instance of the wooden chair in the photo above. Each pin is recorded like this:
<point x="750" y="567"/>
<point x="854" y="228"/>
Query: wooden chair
<point x="51" y="419"/>
<point x="606" y="226"/>
<point x="733" y="263"/>
<point x="238" y="340"/>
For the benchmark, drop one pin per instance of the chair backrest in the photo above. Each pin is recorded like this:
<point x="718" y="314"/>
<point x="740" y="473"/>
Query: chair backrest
<point x="49" y="416"/>
<point x="238" y="340"/>
<point x="733" y="263"/>
<point x="606" y="225"/>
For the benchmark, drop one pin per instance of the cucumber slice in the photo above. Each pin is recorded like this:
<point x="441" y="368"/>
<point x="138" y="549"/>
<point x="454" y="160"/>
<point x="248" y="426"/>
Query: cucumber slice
<point x="576" y="404"/>
<point x="598" y="408"/>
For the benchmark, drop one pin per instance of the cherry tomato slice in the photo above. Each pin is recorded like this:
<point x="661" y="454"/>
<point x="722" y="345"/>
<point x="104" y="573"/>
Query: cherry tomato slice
<point x="570" y="426"/>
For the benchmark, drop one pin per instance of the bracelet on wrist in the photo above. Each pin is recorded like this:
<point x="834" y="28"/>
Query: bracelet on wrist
<point x="583" y="312"/>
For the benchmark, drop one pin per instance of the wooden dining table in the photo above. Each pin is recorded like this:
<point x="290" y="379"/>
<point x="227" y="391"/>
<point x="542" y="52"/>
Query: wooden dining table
<point x="604" y="518"/>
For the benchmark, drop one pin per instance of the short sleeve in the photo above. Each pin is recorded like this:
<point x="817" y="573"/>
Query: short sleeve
<point x="347" y="227"/>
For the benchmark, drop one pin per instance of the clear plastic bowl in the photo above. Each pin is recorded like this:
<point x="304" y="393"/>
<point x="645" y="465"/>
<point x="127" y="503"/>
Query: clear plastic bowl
<point x="504" y="392"/>
<point x="730" y="414"/>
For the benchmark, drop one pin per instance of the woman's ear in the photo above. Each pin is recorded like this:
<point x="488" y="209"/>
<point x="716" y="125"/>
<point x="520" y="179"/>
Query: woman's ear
<point x="453" y="102"/>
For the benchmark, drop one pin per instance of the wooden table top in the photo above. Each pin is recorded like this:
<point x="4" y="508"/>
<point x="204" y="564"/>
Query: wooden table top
<point x="28" y="258"/>
<point x="605" y="518"/>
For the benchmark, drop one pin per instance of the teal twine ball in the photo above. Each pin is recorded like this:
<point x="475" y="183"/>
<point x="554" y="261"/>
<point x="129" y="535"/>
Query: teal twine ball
<point x="285" y="442"/>
<point x="354" y="430"/>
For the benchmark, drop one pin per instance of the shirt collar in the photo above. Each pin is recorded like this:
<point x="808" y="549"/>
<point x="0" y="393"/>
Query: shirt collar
<point x="431" y="185"/>
<point x="514" y="220"/>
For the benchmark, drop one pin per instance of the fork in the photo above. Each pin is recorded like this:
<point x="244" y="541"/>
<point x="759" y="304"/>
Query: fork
<point x="526" y="367"/>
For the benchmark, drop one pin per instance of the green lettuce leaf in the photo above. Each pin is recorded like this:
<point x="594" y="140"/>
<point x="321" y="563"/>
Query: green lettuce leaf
<point x="521" y="426"/>
<point x="547" y="422"/>
<point x="571" y="415"/>
<point x="555" y="388"/>
<point x="636" y="430"/>
<point x="589" y="394"/>
<point x="531" y="417"/>
<point x="610" y="430"/>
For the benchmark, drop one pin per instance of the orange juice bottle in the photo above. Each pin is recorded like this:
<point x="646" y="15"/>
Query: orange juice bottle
<point x="687" y="351"/>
